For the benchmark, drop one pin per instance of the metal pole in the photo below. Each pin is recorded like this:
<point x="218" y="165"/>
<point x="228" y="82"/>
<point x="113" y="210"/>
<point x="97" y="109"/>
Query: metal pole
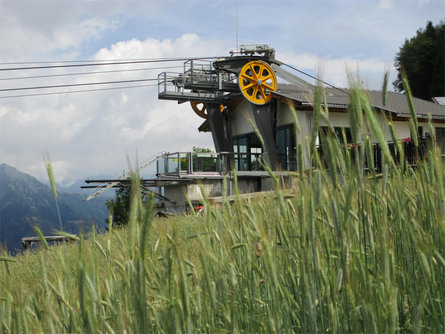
<point x="237" y="25"/>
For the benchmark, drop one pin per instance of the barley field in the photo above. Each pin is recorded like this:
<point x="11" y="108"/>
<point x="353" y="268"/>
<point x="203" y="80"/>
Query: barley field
<point x="347" y="249"/>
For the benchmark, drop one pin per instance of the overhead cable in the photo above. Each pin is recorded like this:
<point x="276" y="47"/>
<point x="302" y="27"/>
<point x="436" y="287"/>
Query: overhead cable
<point x="77" y="91"/>
<point x="90" y="60"/>
<point x="77" y="85"/>
<point x="87" y="73"/>
<point x="315" y="78"/>
<point x="102" y="64"/>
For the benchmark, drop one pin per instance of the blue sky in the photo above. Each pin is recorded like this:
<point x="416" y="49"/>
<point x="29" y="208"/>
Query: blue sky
<point x="90" y="134"/>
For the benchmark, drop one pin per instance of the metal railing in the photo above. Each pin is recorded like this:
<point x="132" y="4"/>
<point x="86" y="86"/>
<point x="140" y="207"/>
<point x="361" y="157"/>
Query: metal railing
<point x="188" y="163"/>
<point x="199" y="71"/>
<point x="411" y="153"/>
<point x="170" y="81"/>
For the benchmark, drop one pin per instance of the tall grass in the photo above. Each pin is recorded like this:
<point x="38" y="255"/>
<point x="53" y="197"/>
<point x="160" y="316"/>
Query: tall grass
<point x="52" y="181"/>
<point x="350" y="252"/>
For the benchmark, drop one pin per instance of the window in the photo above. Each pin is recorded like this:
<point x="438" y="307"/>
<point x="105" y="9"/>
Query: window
<point x="285" y="144"/>
<point x="440" y="139"/>
<point x="338" y="133"/>
<point x="248" y="150"/>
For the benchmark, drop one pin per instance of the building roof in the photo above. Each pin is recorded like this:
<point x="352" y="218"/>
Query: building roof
<point x="439" y="99"/>
<point x="338" y="98"/>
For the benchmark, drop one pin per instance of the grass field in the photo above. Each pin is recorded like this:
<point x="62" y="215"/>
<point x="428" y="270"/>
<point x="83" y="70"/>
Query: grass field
<point x="349" y="252"/>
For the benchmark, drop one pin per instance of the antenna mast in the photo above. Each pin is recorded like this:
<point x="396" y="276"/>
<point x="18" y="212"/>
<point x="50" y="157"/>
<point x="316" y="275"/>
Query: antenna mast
<point x="237" y="48"/>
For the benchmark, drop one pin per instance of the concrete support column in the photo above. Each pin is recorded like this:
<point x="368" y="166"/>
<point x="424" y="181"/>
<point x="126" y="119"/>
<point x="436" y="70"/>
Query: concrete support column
<point x="265" y="120"/>
<point x="221" y="132"/>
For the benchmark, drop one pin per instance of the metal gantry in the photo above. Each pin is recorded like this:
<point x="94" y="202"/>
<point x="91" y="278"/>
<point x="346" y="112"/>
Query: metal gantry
<point x="212" y="88"/>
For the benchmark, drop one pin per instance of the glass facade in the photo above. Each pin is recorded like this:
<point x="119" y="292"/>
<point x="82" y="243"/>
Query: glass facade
<point x="248" y="150"/>
<point x="241" y="149"/>
<point x="285" y="143"/>
<point x="440" y="139"/>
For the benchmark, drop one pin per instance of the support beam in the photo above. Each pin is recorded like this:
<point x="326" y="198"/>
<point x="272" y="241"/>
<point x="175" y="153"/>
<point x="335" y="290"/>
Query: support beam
<point x="220" y="127"/>
<point x="266" y="120"/>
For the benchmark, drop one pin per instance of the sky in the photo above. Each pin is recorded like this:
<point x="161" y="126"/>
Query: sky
<point x="100" y="133"/>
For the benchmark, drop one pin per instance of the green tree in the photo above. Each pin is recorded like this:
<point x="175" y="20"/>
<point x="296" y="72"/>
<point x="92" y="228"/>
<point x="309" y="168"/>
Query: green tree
<point x="203" y="163"/>
<point x="119" y="208"/>
<point x="422" y="59"/>
<point x="197" y="149"/>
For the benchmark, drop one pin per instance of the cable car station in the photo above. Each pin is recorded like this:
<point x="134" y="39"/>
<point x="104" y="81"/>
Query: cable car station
<point x="245" y="101"/>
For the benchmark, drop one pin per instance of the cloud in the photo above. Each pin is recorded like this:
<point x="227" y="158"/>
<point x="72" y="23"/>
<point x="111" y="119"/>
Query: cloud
<point x="91" y="133"/>
<point x="386" y="4"/>
<point x="72" y="36"/>
<point x="335" y="70"/>
<point x="187" y="45"/>
<point x="47" y="30"/>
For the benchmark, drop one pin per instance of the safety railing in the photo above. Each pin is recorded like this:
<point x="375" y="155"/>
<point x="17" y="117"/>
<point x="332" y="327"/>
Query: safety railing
<point x="170" y="82"/>
<point x="411" y="153"/>
<point x="188" y="163"/>
<point x="199" y="71"/>
<point x="182" y="163"/>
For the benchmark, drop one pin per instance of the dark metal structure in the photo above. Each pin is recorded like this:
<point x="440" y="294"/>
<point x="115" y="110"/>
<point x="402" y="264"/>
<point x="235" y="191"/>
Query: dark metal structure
<point x="213" y="87"/>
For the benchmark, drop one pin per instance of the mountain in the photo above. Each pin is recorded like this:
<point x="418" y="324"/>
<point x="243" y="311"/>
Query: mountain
<point x="26" y="202"/>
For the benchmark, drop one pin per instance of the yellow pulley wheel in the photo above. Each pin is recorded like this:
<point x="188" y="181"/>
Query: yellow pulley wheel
<point x="199" y="108"/>
<point x="257" y="80"/>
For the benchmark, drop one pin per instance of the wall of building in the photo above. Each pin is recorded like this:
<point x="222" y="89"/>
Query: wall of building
<point x="401" y="129"/>
<point x="284" y="117"/>
<point x="337" y="119"/>
<point x="212" y="188"/>
<point x="240" y="119"/>
<point x="176" y="193"/>
<point x="243" y="112"/>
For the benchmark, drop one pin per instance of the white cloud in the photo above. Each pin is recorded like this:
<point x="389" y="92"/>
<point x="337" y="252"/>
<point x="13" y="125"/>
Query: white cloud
<point x="21" y="32"/>
<point x="91" y="133"/>
<point x="187" y="45"/>
<point x="72" y="36"/>
<point x="335" y="70"/>
<point x="386" y="4"/>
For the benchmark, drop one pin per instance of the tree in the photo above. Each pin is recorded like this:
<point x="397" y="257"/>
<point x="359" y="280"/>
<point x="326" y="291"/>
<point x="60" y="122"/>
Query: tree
<point x="422" y="59"/>
<point x="119" y="208"/>
<point x="203" y="162"/>
<point x="197" y="149"/>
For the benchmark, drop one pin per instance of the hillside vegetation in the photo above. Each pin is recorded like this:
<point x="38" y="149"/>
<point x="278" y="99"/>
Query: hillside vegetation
<point x="25" y="202"/>
<point x="349" y="252"/>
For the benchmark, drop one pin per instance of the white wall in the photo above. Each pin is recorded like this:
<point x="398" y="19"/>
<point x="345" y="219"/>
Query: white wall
<point x="240" y="119"/>
<point x="241" y="125"/>
<point x="284" y="115"/>
<point x="401" y="129"/>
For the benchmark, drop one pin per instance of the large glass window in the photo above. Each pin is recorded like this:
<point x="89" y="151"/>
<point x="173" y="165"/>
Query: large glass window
<point x="440" y="138"/>
<point x="248" y="150"/>
<point x="285" y="144"/>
